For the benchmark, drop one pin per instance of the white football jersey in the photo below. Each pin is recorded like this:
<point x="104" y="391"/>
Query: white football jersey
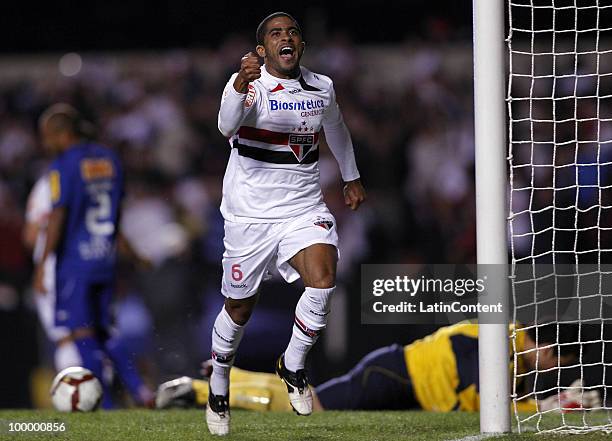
<point x="38" y="209"/>
<point x="273" y="171"/>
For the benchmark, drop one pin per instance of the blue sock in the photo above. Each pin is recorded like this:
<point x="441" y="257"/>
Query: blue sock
<point x="125" y="367"/>
<point x="92" y="355"/>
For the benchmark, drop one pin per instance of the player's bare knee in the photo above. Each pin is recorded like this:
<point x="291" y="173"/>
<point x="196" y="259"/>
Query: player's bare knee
<point x="240" y="310"/>
<point x="240" y="316"/>
<point x="322" y="280"/>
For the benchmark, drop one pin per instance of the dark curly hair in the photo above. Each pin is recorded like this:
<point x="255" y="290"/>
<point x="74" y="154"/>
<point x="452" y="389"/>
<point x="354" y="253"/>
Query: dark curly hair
<point x="261" y="29"/>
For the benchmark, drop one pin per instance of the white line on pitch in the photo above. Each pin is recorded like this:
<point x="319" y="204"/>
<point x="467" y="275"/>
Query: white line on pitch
<point x="477" y="437"/>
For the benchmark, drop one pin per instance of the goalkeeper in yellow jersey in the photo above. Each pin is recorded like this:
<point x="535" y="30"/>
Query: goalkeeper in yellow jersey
<point x="436" y="373"/>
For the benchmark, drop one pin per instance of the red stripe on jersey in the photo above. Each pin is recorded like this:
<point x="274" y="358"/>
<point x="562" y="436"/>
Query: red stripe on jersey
<point x="268" y="136"/>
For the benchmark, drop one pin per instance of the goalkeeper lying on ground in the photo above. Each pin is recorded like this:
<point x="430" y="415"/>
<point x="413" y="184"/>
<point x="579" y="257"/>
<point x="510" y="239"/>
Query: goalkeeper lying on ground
<point x="436" y="373"/>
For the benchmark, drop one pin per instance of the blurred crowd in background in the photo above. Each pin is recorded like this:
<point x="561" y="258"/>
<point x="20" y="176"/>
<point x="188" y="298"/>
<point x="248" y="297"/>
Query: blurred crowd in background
<point x="408" y="107"/>
<point x="561" y="161"/>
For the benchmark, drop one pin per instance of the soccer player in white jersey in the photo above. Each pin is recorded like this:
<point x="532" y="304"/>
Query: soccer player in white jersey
<point x="272" y="203"/>
<point x="38" y="209"/>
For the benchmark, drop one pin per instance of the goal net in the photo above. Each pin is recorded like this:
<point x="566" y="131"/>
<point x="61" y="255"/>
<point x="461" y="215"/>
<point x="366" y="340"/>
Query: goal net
<point x="560" y="220"/>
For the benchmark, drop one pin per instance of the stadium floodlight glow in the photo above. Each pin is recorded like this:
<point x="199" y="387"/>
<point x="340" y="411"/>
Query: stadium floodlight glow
<point x="70" y="64"/>
<point x="489" y="122"/>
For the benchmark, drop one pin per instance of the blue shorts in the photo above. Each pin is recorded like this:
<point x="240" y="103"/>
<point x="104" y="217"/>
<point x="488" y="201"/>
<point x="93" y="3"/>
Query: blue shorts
<point x="380" y="381"/>
<point x="82" y="302"/>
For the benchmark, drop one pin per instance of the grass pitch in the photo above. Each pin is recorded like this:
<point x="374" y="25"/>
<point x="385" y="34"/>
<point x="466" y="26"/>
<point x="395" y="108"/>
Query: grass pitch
<point x="186" y="425"/>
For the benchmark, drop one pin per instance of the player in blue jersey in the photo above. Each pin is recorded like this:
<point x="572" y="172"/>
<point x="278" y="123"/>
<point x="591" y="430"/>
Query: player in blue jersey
<point x="86" y="185"/>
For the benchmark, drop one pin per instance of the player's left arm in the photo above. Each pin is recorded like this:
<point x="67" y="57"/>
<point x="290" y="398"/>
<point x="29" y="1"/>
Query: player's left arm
<point x="339" y="141"/>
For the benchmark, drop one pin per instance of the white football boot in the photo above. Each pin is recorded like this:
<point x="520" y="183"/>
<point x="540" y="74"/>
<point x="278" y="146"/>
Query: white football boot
<point x="218" y="414"/>
<point x="300" y="395"/>
<point x="175" y="393"/>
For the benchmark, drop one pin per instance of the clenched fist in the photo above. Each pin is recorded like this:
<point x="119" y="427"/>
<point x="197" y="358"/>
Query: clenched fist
<point x="354" y="194"/>
<point x="250" y="70"/>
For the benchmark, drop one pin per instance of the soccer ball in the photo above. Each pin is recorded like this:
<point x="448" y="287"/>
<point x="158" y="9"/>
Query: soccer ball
<point x="76" y="389"/>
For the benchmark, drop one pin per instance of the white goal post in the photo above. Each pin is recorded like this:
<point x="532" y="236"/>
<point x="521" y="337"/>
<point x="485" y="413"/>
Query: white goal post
<point x="544" y="198"/>
<point x="491" y="207"/>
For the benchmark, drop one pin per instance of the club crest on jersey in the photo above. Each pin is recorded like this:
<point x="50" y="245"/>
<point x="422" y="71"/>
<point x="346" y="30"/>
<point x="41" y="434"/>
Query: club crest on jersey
<point x="250" y="98"/>
<point x="324" y="223"/>
<point x="300" y="145"/>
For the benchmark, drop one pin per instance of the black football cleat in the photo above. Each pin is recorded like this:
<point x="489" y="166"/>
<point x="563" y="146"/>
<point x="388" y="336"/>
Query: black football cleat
<point x="300" y="395"/>
<point x="218" y="414"/>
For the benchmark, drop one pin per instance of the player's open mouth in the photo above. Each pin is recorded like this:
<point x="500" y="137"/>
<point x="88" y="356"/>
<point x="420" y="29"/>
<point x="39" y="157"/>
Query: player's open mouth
<point x="286" y="53"/>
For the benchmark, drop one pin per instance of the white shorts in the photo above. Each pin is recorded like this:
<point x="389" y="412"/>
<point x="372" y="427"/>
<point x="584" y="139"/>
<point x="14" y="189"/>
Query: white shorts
<point x="45" y="304"/>
<point x="252" y="249"/>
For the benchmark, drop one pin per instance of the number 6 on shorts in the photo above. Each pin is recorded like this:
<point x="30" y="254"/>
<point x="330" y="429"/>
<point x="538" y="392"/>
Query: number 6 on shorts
<point x="236" y="272"/>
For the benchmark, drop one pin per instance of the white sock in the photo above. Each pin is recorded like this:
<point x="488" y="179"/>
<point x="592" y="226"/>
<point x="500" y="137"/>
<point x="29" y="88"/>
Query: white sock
<point x="310" y="319"/>
<point x="67" y="355"/>
<point x="226" y="336"/>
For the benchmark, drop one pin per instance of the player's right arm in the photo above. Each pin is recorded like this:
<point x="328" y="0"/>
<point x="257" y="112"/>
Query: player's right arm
<point x="238" y="97"/>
